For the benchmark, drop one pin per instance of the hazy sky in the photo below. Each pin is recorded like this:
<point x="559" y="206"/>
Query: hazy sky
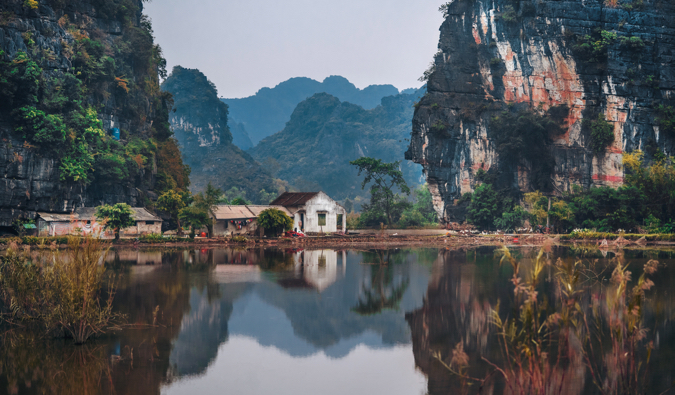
<point x="244" y="45"/>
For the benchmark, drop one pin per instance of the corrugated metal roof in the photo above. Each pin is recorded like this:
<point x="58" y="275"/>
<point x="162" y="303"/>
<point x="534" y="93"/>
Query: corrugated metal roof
<point x="293" y="198"/>
<point x="227" y="212"/>
<point x="259" y="209"/>
<point x="89" y="214"/>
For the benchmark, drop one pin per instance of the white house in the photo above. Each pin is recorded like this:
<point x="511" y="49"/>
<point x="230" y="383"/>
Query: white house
<point x="313" y="212"/>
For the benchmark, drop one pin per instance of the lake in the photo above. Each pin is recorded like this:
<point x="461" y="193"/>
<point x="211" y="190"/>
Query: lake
<point x="271" y="321"/>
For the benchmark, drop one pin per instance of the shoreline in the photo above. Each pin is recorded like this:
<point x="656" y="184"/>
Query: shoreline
<point x="371" y="239"/>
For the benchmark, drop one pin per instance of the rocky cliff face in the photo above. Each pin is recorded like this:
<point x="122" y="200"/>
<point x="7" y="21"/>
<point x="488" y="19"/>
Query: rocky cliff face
<point x="70" y="72"/>
<point x="200" y="123"/>
<point x="588" y="58"/>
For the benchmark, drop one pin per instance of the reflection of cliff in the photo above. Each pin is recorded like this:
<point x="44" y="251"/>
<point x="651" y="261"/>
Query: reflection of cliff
<point x="203" y="329"/>
<point x="456" y="309"/>
<point x="326" y="320"/>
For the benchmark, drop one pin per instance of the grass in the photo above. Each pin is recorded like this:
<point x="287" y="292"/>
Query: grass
<point x="65" y="293"/>
<point x="587" y="324"/>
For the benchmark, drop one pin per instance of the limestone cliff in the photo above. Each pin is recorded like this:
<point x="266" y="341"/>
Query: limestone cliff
<point x="590" y="58"/>
<point x="72" y="74"/>
<point x="200" y="123"/>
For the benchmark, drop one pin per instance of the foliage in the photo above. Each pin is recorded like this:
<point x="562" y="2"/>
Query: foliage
<point x="484" y="207"/>
<point x="274" y="221"/>
<point x="18" y="225"/>
<point x="56" y="111"/>
<point x="666" y="119"/>
<point x="593" y="48"/>
<point x="509" y="14"/>
<point x="324" y="134"/>
<point x="602" y="135"/>
<point x="633" y="42"/>
<point x="385" y="177"/>
<point x="445" y="9"/>
<point x="197" y="108"/>
<point x="171" y="202"/>
<point x="194" y="217"/>
<point x="116" y="217"/>
<point x="62" y="293"/>
<point x="523" y="138"/>
<point x="511" y="219"/>
<point x="546" y="342"/>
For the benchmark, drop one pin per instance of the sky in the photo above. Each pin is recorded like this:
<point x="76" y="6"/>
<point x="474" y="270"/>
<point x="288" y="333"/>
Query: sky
<point x="244" y="45"/>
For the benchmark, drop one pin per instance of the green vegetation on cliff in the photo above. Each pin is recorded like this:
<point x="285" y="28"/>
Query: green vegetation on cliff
<point x="266" y="112"/>
<point x="57" y="111"/>
<point x="199" y="121"/>
<point x="324" y="134"/>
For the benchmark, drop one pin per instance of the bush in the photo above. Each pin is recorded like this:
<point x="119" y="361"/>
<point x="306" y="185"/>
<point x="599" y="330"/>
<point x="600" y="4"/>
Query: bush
<point x="412" y="219"/>
<point x="484" y="207"/>
<point x="59" y="292"/>
<point x="602" y="135"/>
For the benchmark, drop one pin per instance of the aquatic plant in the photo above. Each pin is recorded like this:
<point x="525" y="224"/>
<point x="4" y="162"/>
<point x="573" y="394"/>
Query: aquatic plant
<point x="555" y="339"/>
<point x="59" y="292"/>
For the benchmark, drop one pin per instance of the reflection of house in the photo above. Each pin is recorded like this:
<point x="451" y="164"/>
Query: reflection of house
<point x="83" y="221"/>
<point x="238" y="219"/>
<point x="313" y="212"/>
<point x="318" y="269"/>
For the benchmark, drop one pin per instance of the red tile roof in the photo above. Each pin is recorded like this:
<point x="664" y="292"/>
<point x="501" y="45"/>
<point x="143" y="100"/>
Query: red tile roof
<point x="293" y="198"/>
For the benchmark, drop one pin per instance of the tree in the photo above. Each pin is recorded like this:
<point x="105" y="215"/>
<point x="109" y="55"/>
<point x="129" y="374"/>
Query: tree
<point x="116" y="217"/>
<point x="194" y="217"/>
<point x="274" y="220"/>
<point x="239" y="202"/>
<point x="207" y="202"/>
<point x="385" y="177"/>
<point x="171" y="202"/>
<point x="484" y="207"/>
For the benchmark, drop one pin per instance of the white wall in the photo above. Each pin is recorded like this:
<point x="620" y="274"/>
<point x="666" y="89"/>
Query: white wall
<point x="321" y="203"/>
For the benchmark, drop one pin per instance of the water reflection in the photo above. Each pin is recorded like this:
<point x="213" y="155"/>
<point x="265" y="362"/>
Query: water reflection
<point x="298" y="321"/>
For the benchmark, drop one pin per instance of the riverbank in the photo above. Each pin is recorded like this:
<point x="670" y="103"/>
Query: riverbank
<point x="390" y="238"/>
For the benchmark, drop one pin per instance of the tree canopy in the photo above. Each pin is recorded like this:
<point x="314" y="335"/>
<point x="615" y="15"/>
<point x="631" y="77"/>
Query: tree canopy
<point x="385" y="178"/>
<point x="116" y="217"/>
<point x="274" y="221"/>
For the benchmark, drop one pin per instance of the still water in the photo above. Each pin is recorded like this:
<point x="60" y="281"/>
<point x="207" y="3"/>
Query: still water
<point x="274" y="321"/>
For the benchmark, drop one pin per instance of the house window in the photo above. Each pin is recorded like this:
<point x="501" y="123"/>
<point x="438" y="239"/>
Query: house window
<point x="322" y="219"/>
<point x="149" y="222"/>
<point x="339" y="221"/>
<point x="88" y="222"/>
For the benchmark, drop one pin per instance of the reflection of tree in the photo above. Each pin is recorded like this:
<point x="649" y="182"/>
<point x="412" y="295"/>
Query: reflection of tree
<point x="383" y="292"/>
<point x="57" y="366"/>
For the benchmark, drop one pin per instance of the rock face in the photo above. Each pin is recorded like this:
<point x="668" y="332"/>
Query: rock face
<point x="593" y="58"/>
<point x="199" y="122"/>
<point x="313" y="151"/>
<point x="87" y="44"/>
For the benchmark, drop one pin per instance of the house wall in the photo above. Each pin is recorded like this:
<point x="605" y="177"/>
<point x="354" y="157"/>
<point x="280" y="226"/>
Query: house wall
<point x="321" y="203"/>
<point x="223" y="228"/>
<point x="78" y="228"/>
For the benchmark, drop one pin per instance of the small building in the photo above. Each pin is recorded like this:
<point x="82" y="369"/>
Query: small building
<point x="239" y="220"/>
<point x="83" y="221"/>
<point x="313" y="212"/>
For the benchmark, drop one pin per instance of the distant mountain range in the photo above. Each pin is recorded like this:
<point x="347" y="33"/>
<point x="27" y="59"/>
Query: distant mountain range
<point x="199" y="123"/>
<point x="314" y="149"/>
<point x="253" y="118"/>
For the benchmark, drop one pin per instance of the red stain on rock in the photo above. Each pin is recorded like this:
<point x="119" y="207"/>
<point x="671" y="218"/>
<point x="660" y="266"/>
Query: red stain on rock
<point x="603" y="177"/>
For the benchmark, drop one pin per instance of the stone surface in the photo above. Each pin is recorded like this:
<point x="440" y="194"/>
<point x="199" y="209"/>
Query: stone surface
<point x="485" y="62"/>
<point x="29" y="181"/>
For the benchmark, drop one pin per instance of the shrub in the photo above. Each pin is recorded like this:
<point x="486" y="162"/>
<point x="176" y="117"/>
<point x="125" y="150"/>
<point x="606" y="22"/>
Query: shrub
<point x="60" y="292"/>
<point x="495" y="61"/>
<point x="602" y="135"/>
<point x="509" y="15"/>
<point x="411" y="219"/>
<point x="274" y="221"/>
<point x="484" y="207"/>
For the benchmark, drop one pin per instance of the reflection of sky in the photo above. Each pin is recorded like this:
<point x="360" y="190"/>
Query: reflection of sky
<point x="256" y="318"/>
<point x="245" y="367"/>
<point x="268" y="325"/>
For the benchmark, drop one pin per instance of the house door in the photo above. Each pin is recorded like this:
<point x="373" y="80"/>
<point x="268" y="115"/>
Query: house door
<point x="302" y="222"/>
